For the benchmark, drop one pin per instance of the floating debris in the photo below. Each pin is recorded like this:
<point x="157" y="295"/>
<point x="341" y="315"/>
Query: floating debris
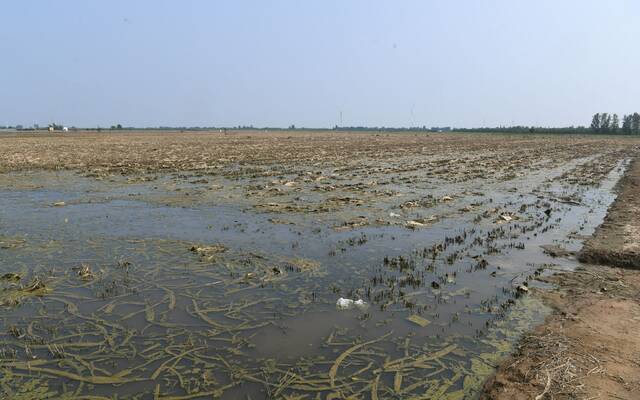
<point x="11" y="276"/>
<point x="420" y="222"/>
<point x="347" y="304"/>
<point x="353" y="223"/>
<point x="418" y="320"/>
<point x="208" y="252"/>
<point x="84" y="272"/>
<point x="11" y="243"/>
<point x="35" y="285"/>
<point x="14" y="295"/>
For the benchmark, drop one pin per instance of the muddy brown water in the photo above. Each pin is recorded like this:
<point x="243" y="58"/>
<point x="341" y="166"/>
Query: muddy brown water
<point x="158" y="320"/>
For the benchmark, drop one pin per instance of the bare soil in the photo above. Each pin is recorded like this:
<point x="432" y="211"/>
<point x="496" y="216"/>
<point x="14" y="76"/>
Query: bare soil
<point x="459" y="155"/>
<point x="617" y="241"/>
<point x="589" y="347"/>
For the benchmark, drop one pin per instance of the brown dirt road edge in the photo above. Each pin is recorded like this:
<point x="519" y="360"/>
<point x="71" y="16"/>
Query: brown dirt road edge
<point x="589" y="347"/>
<point x="616" y="242"/>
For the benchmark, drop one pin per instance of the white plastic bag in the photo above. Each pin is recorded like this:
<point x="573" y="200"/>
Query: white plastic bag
<point x="347" y="304"/>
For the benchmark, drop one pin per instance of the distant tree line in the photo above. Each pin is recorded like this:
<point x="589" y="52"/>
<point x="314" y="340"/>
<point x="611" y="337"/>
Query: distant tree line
<point x="601" y="123"/>
<point x="606" y="123"/>
<point x="528" y="129"/>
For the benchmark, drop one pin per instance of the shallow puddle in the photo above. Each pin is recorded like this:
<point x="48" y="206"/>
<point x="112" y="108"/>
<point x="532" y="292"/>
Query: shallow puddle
<point x="219" y="295"/>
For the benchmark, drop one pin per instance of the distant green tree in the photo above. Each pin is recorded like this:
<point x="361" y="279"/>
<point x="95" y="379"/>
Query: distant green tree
<point x="626" y="124"/>
<point x="635" y="124"/>
<point x="615" y="124"/>
<point x="595" y="123"/>
<point x="605" y="123"/>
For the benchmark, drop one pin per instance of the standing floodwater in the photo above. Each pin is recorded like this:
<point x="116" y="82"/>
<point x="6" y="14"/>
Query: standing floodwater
<point x="212" y="267"/>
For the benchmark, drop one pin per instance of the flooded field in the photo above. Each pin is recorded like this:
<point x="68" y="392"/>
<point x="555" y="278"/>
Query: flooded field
<point x="186" y="266"/>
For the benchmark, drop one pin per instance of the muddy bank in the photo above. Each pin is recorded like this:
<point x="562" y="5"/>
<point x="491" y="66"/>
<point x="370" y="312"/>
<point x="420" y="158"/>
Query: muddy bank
<point x="617" y="241"/>
<point x="588" y="347"/>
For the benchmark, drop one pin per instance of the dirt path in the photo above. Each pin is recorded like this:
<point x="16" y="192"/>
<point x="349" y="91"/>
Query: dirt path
<point x="589" y="348"/>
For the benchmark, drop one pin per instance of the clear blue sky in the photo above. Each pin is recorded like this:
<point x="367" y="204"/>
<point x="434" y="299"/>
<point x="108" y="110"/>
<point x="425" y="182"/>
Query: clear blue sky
<point x="275" y="63"/>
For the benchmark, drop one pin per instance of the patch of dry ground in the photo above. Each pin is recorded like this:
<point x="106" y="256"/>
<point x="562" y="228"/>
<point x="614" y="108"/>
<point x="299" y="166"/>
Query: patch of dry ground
<point x="589" y="348"/>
